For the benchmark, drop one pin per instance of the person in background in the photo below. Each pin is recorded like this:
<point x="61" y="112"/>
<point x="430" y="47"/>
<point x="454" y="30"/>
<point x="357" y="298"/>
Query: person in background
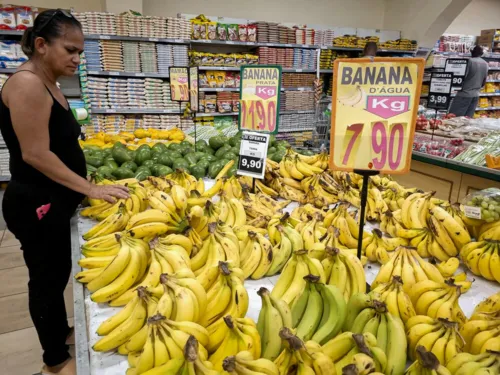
<point x="48" y="179"/>
<point x="370" y="49"/>
<point x="465" y="103"/>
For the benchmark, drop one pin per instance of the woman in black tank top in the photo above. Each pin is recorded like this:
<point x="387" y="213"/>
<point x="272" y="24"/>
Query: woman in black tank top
<point x="48" y="175"/>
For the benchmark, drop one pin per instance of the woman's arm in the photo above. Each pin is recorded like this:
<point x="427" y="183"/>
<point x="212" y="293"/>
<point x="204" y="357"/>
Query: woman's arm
<point x="30" y="106"/>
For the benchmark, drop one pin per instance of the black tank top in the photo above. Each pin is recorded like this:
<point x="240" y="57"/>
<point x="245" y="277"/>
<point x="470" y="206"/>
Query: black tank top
<point x="64" y="132"/>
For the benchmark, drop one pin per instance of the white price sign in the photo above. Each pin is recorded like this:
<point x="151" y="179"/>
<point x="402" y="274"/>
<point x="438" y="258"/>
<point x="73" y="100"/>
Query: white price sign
<point x="253" y="154"/>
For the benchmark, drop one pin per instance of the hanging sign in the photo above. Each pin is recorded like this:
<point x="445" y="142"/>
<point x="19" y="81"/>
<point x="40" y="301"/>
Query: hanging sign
<point x="459" y="69"/>
<point x="253" y="154"/>
<point x="193" y="88"/>
<point x="374" y="112"/>
<point x="439" y="91"/>
<point x="260" y="98"/>
<point x="179" y="84"/>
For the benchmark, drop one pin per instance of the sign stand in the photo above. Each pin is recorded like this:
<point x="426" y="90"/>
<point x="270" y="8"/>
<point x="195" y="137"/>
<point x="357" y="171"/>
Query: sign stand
<point x="362" y="210"/>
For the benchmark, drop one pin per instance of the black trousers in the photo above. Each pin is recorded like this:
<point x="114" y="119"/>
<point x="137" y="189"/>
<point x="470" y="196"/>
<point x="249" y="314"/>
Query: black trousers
<point x="46" y="246"/>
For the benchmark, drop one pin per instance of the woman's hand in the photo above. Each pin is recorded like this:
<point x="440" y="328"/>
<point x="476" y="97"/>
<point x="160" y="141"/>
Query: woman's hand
<point x="108" y="192"/>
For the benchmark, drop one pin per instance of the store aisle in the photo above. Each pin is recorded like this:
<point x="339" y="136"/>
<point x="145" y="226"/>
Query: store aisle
<point x="20" y="352"/>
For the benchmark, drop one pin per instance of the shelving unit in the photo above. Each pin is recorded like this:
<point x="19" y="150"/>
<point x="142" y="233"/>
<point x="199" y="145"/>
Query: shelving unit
<point x="134" y="111"/>
<point x="216" y="114"/>
<point x="126" y="74"/>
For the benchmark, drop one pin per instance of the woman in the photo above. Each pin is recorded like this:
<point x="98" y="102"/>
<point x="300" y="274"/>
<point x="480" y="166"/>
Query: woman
<point x="48" y="175"/>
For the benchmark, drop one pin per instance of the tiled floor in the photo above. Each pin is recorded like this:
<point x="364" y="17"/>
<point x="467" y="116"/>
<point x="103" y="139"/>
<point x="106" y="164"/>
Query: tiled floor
<point x="20" y="351"/>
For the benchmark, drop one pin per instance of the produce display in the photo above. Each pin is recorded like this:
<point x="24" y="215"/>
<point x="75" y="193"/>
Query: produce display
<point x="175" y="255"/>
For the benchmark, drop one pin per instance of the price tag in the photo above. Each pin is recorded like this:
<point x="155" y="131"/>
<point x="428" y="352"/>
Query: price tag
<point x="259" y="98"/>
<point x="114" y="73"/>
<point x="153" y="39"/>
<point x="288" y="45"/>
<point x="104" y="37"/>
<point x="193" y="88"/>
<point x="472" y="212"/>
<point x="458" y="67"/>
<point x="110" y="111"/>
<point x="251" y="43"/>
<point x="439" y="90"/>
<point x="374" y="111"/>
<point x="179" y="41"/>
<point x="229" y="42"/>
<point x="298" y="70"/>
<point x="179" y="84"/>
<point x="253" y="154"/>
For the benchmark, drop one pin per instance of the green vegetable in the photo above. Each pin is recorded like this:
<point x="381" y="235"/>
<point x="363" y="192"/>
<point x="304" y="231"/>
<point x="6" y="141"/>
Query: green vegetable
<point x="233" y="141"/>
<point x="221" y="151"/>
<point x="119" y="145"/>
<point x="235" y="150"/>
<point x="186" y="143"/>
<point x="204" y="163"/>
<point x="91" y="169"/>
<point x="165" y="159"/>
<point x="120" y="155"/>
<point x="175" y="155"/>
<point x="191" y="158"/>
<point x="129" y="165"/>
<point x="230" y="156"/>
<point x="98" y="154"/>
<point x="94" y="161"/>
<point x="180" y="164"/>
<point x="142" y="155"/>
<point x="198" y="171"/>
<point x="142" y="174"/>
<point x="122" y="173"/>
<point x="87" y="151"/>
<point x="148" y="163"/>
<point x="175" y="147"/>
<point x="187" y="150"/>
<point x="209" y="157"/>
<point x="271" y="150"/>
<point x="143" y="147"/>
<point x="215" y="168"/>
<point x="199" y="155"/>
<point x="232" y="171"/>
<point x="209" y="150"/>
<point x="217" y="142"/>
<point x="110" y="163"/>
<point x="107" y="152"/>
<point x="272" y="140"/>
<point x="163" y="170"/>
<point x="159" y="148"/>
<point x="277" y="156"/>
<point x="106" y="172"/>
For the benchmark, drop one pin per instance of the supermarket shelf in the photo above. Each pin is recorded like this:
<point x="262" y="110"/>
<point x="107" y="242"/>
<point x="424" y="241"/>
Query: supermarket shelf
<point x="286" y="130"/>
<point x="498" y="68"/>
<point x="11" y="32"/>
<point x="290" y="70"/>
<point x="4" y="178"/>
<point x="219" y="89"/>
<point x="237" y="68"/>
<point x="251" y="44"/>
<point x="494" y="80"/>
<point x="294" y="112"/>
<point x="326" y="71"/>
<point x="296" y="89"/>
<point x="489" y="94"/>
<point x="216" y="114"/>
<point x="356" y="49"/>
<point x="97" y="111"/>
<point x="487" y="109"/>
<point x="474" y="170"/>
<point x="136" y="38"/>
<point x="7" y="70"/>
<point x="125" y="74"/>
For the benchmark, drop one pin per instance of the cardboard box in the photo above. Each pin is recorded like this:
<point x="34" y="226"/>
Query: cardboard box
<point x="488" y="32"/>
<point x="485" y="40"/>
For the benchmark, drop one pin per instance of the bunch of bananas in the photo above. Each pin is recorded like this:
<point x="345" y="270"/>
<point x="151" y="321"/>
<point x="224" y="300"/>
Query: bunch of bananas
<point x="481" y="333"/>
<point x="489" y="306"/>
<point x="415" y="210"/>
<point x="490" y="231"/>
<point x="299" y="167"/>
<point x="221" y="245"/>
<point x="291" y="282"/>
<point x="319" y="190"/>
<point x="165" y="340"/>
<point x="313" y="234"/>
<point x="257" y="255"/>
<point x="299" y="358"/>
<point x="470" y="364"/>
<point x="120" y="328"/>
<point x="407" y="264"/>
<point x="381" y="244"/>
<point x="189" y="359"/>
<point x="437" y="300"/>
<point x="232" y="212"/>
<point x="244" y="363"/>
<point x="285" y="240"/>
<point x="358" y="349"/>
<point x="426" y="363"/>
<point x="185" y="180"/>
<point x="397" y="301"/>
<point x="348" y="227"/>
<point x="174" y="204"/>
<point x="344" y="270"/>
<point x="439" y="336"/>
<point x="240" y="334"/>
<point x="274" y="315"/>
<point x="259" y="206"/>
<point x="319" y="312"/>
<point x="483" y="258"/>
<point x="367" y="315"/>
<point x="449" y="267"/>
<point x="104" y="246"/>
<point x="232" y="186"/>
<point x="171" y="258"/>
<point x="115" y="222"/>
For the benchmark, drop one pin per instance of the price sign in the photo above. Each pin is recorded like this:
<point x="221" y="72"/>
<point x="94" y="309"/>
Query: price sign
<point x="253" y="153"/>
<point x="259" y="98"/>
<point x="179" y="84"/>
<point x="193" y="88"/>
<point x="459" y="69"/>
<point x="374" y="111"/>
<point x="439" y="90"/>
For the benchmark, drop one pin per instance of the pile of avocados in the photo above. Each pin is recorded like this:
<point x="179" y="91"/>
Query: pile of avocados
<point x="206" y="159"/>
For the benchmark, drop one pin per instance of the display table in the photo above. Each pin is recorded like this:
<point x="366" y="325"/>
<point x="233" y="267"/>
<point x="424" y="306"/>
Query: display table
<point x="451" y="180"/>
<point x="89" y="315"/>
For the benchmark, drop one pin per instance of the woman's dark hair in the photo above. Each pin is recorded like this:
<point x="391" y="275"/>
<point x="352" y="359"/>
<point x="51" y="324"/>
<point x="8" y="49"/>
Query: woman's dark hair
<point x="49" y="25"/>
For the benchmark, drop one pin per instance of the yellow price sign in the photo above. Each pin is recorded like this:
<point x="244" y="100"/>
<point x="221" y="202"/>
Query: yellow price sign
<point x="179" y="84"/>
<point x="259" y="98"/>
<point x="374" y="111"/>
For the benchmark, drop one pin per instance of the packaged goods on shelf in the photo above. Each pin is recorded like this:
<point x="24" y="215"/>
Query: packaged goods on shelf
<point x="455" y="43"/>
<point x="297" y="58"/>
<point x="297" y="80"/>
<point x="11" y="54"/>
<point x="476" y="153"/>
<point x="493" y="63"/>
<point x="222" y="59"/>
<point x="297" y="101"/>
<point x="113" y="124"/>
<point x="324" y="37"/>
<point x="15" y="17"/>
<point x="218" y="79"/>
<point x="3" y="78"/>
<point x="296" y="122"/>
<point x="447" y="148"/>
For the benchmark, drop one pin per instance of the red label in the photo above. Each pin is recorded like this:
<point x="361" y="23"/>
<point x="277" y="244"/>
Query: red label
<point x="388" y="106"/>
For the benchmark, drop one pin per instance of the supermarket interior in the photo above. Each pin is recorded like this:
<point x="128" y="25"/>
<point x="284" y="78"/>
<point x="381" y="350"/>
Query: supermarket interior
<point x="163" y="95"/>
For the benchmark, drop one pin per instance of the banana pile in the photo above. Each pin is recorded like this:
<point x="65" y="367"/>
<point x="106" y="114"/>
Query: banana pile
<point x="407" y="264"/>
<point x="381" y="244"/>
<point x="439" y="336"/>
<point x="490" y="231"/>
<point x="426" y="363"/>
<point x="481" y="333"/>
<point x="291" y="282"/>
<point x="490" y="305"/>
<point x="244" y="363"/>
<point x="438" y="300"/>
<point x="285" y="240"/>
<point x="113" y="223"/>
<point x="356" y="349"/>
<point x="367" y="315"/>
<point x="318" y="314"/>
<point x="345" y="271"/>
<point x="257" y="256"/>
<point x="395" y="298"/>
<point x="483" y="258"/>
<point x="470" y="364"/>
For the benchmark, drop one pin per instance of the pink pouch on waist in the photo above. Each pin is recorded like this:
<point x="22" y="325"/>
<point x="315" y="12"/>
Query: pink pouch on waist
<point x="42" y="211"/>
